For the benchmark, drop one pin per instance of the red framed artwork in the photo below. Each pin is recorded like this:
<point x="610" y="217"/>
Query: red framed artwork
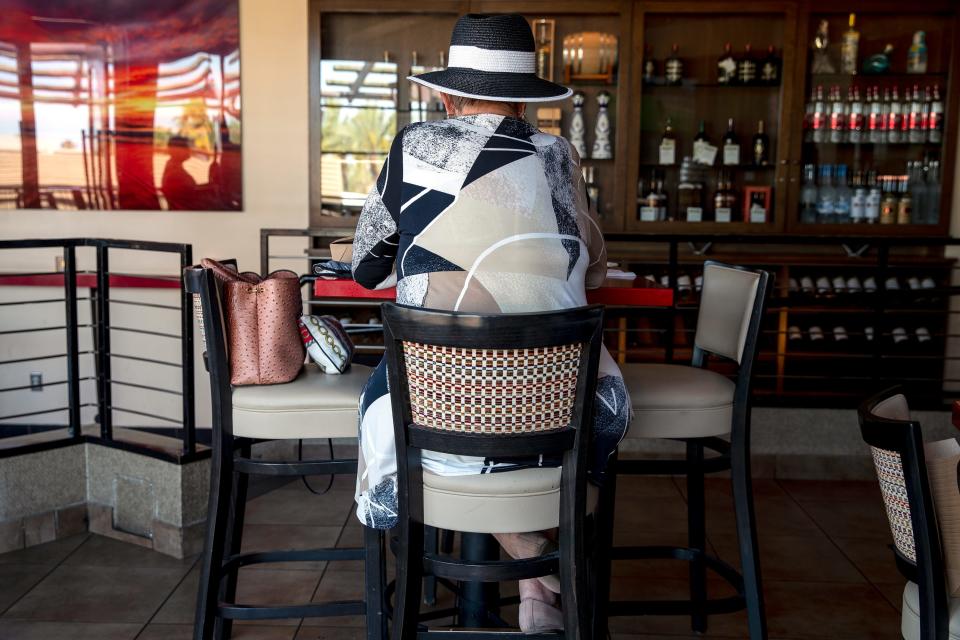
<point x="120" y="104"/>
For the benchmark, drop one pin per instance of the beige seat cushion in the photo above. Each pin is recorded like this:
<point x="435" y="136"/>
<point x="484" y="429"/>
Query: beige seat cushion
<point x="677" y="401"/>
<point x="314" y="405"/>
<point x="910" y="618"/>
<point x="505" y="502"/>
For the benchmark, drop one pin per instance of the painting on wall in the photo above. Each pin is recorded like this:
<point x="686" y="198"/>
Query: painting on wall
<point x="120" y="104"/>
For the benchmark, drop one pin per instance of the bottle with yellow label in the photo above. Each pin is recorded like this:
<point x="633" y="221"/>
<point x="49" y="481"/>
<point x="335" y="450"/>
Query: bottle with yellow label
<point x="888" y="206"/>
<point x="850" y="48"/>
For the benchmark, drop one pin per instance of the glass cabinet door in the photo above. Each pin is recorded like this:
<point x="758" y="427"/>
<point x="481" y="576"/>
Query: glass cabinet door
<point x="363" y="99"/>
<point x="873" y="132"/>
<point x="711" y="153"/>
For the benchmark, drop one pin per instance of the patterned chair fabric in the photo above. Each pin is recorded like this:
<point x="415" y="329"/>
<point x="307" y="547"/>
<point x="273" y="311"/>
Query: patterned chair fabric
<point x="893" y="487"/>
<point x="492" y="391"/>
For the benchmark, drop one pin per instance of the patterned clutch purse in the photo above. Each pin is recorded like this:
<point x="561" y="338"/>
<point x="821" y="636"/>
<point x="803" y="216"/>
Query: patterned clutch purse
<point x="327" y="343"/>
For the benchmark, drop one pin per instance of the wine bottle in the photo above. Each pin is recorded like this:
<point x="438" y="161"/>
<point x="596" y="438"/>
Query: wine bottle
<point x="808" y="196"/>
<point x="761" y="144"/>
<point x="726" y="66"/>
<point x="855" y="116"/>
<point x="770" y="69"/>
<point x="837" y="115"/>
<point x="872" y="206"/>
<point x="731" y="147"/>
<point x="894" y="117"/>
<point x="914" y="124"/>
<point x="819" y="119"/>
<point x="826" y="195"/>
<point x="935" y="119"/>
<point x="888" y="206"/>
<point x="933" y="193"/>
<point x="703" y="151"/>
<point x="842" y="196"/>
<point x="663" y="204"/>
<point x="673" y="66"/>
<point x="875" y="119"/>
<point x="849" y="48"/>
<point x="918" y="191"/>
<point x="649" y="203"/>
<point x="858" y="203"/>
<point x="649" y="66"/>
<point x="904" y="201"/>
<point x="747" y="67"/>
<point x="668" y="145"/>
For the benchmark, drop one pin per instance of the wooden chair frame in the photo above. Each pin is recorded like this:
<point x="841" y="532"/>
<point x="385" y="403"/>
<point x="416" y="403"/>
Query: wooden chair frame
<point x="510" y="331"/>
<point x="905" y="438"/>
<point x="733" y="456"/>
<point x="231" y="465"/>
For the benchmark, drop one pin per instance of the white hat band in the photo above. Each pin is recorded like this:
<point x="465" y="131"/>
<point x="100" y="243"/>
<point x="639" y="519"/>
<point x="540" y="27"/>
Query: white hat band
<point x="491" y="60"/>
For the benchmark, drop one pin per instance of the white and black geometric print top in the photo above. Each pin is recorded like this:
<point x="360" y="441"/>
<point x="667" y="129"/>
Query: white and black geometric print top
<point x="479" y="213"/>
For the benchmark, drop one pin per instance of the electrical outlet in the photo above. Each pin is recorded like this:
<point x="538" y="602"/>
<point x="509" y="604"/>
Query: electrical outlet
<point x="36" y="382"/>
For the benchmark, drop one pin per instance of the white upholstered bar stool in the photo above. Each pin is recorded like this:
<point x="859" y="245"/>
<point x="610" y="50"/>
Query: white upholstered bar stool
<point x="314" y="405"/>
<point x="706" y="410"/>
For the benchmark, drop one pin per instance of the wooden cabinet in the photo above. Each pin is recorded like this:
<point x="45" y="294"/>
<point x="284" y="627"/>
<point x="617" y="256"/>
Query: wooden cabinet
<point x="361" y="52"/>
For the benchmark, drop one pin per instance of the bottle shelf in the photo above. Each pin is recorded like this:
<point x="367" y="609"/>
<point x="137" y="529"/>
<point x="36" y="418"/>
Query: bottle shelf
<point x="693" y="84"/>
<point x="882" y="145"/>
<point x="728" y="167"/>
<point x="867" y="78"/>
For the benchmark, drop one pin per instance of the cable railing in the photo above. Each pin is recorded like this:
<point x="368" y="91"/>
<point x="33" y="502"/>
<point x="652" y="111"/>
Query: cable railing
<point x="101" y="282"/>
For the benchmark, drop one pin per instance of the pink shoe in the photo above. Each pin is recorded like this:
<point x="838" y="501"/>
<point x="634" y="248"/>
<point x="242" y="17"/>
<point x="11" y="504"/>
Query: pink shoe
<point x="520" y="546"/>
<point x="538" y="610"/>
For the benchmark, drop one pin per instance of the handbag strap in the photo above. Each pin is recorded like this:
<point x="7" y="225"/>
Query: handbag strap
<point x="227" y="274"/>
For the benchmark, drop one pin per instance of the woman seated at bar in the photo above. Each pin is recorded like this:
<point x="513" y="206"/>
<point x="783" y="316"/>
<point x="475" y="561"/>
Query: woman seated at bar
<point x="482" y="213"/>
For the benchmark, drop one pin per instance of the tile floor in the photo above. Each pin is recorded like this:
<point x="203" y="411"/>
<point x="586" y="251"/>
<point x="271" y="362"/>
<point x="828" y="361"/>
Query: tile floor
<point x="827" y="570"/>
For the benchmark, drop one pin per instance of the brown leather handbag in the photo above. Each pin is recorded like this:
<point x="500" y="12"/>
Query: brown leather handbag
<point x="262" y="324"/>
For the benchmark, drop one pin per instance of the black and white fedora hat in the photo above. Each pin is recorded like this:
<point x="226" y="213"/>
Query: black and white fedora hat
<point x="493" y="57"/>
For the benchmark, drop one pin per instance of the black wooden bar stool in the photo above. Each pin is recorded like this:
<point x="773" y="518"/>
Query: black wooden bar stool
<point x="494" y="386"/>
<point x="707" y="411"/>
<point x="314" y="405"/>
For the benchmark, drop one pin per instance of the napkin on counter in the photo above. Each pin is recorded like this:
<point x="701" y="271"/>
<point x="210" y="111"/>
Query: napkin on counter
<point x="619" y="274"/>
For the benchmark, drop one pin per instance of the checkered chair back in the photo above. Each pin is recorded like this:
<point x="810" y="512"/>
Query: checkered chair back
<point x="491" y="391"/>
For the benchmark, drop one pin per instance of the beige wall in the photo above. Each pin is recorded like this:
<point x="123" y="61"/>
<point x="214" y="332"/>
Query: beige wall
<point x="273" y="40"/>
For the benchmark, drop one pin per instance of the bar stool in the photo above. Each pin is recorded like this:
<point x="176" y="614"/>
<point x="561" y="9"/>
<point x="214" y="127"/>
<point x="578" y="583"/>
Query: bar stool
<point x="493" y="386"/>
<point x="314" y="405"/>
<point x="896" y="443"/>
<point x="699" y="407"/>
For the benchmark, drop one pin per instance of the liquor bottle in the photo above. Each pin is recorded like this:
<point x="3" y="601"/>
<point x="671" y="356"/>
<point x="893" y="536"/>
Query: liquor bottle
<point x="770" y="68"/>
<point x="825" y="195"/>
<point x="904" y="202"/>
<point x="703" y="151"/>
<point x="933" y="193"/>
<point x="837" y="116"/>
<point x="808" y="196"/>
<point x="689" y="192"/>
<point x="935" y="119"/>
<point x="818" y="125"/>
<point x="842" y="196"/>
<point x="850" y="48"/>
<point x="648" y="203"/>
<point x="747" y="67"/>
<point x="673" y="66"/>
<point x="872" y="207"/>
<point x="668" y="145"/>
<point x="914" y="120"/>
<point x="855" y="117"/>
<point x="858" y="203"/>
<point x="725" y="200"/>
<point x="876" y="123"/>
<point x="663" y="203"/>
<point x="731" y="148"/>
<point x="917" y="54"/>
<point x="894" y="117"/>
<point x="593" y="189"/>
<point x="918" y="192"/>
<point x="726" y="66"/>
<point x="888" y="206"/>
<point x="649" y="66"/>
<point x="761" y="146"/>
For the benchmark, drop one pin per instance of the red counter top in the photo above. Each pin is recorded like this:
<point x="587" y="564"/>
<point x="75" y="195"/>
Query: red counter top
<point x="624" y="293"/>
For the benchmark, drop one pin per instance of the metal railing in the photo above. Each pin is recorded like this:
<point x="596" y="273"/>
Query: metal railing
<point x="99" y="284"/>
